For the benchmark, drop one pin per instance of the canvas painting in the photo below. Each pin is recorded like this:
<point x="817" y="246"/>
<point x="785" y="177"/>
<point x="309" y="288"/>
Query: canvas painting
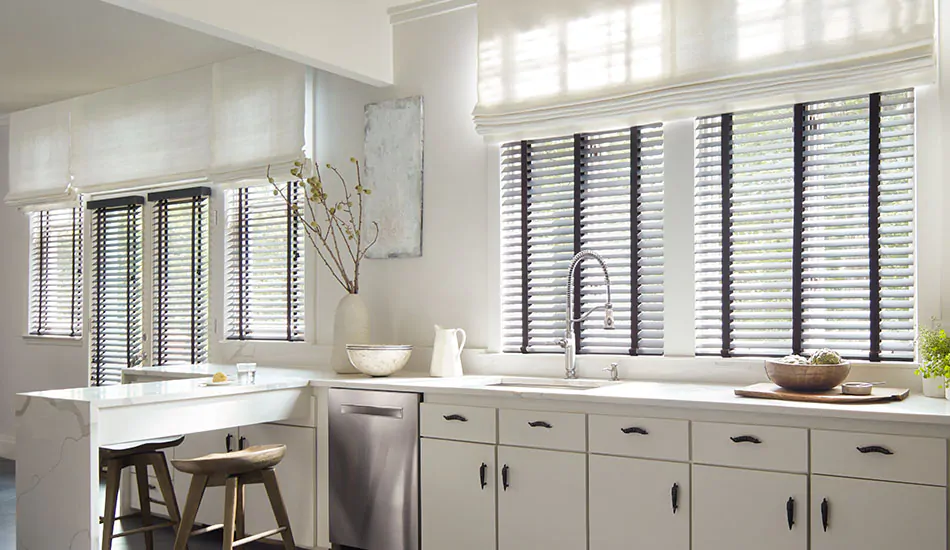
<point x="392" y="150"/>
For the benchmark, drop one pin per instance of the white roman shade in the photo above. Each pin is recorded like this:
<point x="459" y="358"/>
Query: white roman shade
<point x="573" y="66"/>
<point x="39" y="156"/>
<point x="157" y="131"/>
<point x="259" y="116"/>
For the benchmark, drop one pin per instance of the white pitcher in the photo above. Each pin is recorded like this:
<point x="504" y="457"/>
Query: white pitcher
<point x="447" y="352"/>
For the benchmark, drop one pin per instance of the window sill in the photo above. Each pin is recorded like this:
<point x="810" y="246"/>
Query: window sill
<point x="71" y="341"/>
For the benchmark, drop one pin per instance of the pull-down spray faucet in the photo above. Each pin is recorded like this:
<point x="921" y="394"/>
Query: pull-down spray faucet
<point x="570" y="352"/>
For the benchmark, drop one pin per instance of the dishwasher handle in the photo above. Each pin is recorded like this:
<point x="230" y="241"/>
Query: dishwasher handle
<point x="371" y="410"/>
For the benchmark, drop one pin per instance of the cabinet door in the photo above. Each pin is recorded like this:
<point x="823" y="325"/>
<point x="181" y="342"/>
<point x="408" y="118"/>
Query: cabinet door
<point x="737" y="509"/>
<point x="297" y="476"/>
<point x="543" y="505"/>
<point x="877" y="514"/>
<point x="211" y="510"/>
<point x="458" y="511"/>
<point x="632" y="504"/>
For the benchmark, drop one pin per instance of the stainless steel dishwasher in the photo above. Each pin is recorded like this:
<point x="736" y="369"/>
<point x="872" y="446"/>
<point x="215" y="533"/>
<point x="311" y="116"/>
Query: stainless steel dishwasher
<point x="374" y="470"/>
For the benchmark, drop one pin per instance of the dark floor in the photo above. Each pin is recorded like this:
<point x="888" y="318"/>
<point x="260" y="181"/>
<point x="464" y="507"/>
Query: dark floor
<point x="163" y="538"/>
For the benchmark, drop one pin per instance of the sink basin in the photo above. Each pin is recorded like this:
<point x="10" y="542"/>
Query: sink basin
<point x="552" y="383"/>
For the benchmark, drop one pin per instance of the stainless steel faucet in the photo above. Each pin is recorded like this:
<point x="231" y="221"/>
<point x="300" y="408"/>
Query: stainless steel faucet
<point x="570" y="351"/>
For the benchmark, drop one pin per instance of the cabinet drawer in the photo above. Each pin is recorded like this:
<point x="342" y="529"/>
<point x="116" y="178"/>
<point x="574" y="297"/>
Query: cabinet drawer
<point x="884" y="457"/>
<point x="639" y="437"/>
<point x="459" y="423"/>
<point x="546" y="430"/>
<point x="746" y="446"/>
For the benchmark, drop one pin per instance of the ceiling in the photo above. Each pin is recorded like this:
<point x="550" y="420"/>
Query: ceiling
<point x="56" y="49"/>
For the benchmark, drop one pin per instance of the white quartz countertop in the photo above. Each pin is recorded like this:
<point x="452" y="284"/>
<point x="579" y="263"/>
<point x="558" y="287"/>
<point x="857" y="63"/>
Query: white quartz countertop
<point x="183" y="382"/>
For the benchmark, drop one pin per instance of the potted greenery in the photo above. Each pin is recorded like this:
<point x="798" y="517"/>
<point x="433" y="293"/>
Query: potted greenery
<point x="335" y="228"/>
<point x="934" y="347"/>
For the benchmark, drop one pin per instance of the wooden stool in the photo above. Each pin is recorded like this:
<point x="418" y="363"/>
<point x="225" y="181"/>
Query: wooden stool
<point x="234" y="471"/>
<point x="138" y="454"/>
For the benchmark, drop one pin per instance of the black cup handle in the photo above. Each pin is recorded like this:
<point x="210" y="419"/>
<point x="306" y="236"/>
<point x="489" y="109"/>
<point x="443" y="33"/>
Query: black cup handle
<point x="482" y="472"/>
<point x="875" y="449"/>
<point x="675" y="496"/>
<point x="454" y="417"/>
<point x="540" y="424"/>
<point x="634" y="430"/>
<point x="790" y="512"/>
<point x="746" y="439"/>
<point x="504" y="477"/>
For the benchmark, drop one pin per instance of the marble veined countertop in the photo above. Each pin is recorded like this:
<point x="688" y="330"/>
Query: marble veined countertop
<point x="183" y="382"/>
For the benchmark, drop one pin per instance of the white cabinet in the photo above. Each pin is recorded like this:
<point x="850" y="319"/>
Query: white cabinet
<point x="638" y="504"/>
<point x="297" y="476"/>
<point x="736" y="509"/>
<point x="541" y="499"/>
<point x="857" y="513"/>
<point x="458" y="495"/>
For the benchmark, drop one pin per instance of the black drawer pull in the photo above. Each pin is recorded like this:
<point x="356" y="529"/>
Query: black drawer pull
<point x="790" y="512"/>
<point x="746" y="439"/>
<point x="504" y="477"/>
<point x="675" y="496"/>
<point x="634" y="430"/>
<point x="482" y="472"/>
<point x="824" y="514"/>
<point x="540" y="424"/>
<point x="875" y="449"/>
<point x="242" y="443"/>
<point x="454" y="417"/>
<point x="227" y="442"/>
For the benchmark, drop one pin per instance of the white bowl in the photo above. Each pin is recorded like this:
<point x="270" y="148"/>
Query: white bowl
<point x="378" y="360"/>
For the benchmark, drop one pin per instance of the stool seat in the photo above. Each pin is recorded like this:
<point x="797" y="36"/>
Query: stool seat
<point x="130" y="448"/>
<point x="251" y="459"/>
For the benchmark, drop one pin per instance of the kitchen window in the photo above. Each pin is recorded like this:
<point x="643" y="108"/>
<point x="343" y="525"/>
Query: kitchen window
<point x="56" y="272"/>
<point x="805" y="229"/>
<point x="180" y="221"/>
<point x="265" y="265"/>
<point x="116" y="309"/>
<point x="599" y="191"/>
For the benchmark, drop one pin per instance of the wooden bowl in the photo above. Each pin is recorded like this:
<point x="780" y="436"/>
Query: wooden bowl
<point x="807" y="378"/>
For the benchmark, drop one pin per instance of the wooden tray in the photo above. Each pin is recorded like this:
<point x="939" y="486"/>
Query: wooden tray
<point x="768" y="390"/>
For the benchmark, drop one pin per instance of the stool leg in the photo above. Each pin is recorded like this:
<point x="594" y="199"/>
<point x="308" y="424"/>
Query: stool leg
<point x="277" y="503"/>
<point x="113" y="472"/>
<point x="165" y="485"/>
<point x="230" y="512"/>
<point x="240" y="529"/>
<point x="195" y="492"/>
<point x="145" y="505"/>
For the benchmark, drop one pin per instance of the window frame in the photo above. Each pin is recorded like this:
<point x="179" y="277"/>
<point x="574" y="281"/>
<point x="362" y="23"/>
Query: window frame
<point x="792" y="129"/>
<point x="639" y="143"/>
<point x="77" y="314"/>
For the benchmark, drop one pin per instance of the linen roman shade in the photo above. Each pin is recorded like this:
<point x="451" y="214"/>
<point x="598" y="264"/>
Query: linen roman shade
<point x="136" y="136"/>
<point x="579" y="66"/>
<point x="259" y="116"/>
<point x="39" y="156"/>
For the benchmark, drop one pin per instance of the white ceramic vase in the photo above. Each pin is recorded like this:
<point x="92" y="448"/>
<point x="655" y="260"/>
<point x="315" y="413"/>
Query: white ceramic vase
<point x="934" y="387"/>
<point x="350" y="326"/>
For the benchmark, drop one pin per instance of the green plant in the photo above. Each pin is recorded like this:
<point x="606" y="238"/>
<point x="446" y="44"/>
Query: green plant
<point x="335" y="229"/>
<point x="934" y="347"/>
<point x="825" y="356"/>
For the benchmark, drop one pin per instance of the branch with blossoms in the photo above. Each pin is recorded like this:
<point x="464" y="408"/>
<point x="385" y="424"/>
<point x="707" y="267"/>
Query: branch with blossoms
<point x="335" y="229"/>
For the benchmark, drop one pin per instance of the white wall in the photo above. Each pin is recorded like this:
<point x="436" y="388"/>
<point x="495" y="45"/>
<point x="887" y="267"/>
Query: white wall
<point x="350" y="37"/>
<point x="25" y="364"/>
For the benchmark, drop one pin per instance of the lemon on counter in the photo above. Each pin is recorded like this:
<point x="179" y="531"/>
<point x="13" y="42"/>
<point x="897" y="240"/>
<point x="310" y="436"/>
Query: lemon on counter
<point x="219" y="377"/>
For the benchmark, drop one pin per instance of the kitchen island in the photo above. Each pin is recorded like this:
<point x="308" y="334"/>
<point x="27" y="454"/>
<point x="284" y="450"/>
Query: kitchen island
<point x="59" y="432"/>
